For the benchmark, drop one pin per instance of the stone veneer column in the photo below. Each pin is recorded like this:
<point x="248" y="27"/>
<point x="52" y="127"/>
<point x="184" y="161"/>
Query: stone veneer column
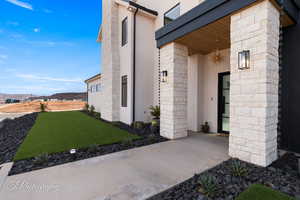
<point x="111" y="62"/>
<point x="174" y="59"/>
<point x="254" y="92"/>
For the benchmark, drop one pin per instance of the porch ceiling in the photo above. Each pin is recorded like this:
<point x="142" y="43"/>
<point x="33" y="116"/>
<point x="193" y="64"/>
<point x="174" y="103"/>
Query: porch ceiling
<point x="209" y="12"/>
<point x="209" y="38"/>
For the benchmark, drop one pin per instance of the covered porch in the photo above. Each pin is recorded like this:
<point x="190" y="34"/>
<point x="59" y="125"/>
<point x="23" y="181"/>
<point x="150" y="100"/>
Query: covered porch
<point x="239" y="39"/>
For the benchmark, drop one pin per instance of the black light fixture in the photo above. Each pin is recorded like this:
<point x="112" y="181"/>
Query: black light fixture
<point x="244" y="59"/>
<point x="164" y="76"/>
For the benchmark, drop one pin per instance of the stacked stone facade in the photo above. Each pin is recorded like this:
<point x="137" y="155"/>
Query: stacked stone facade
<point x="254" y="91"/>
<point x="174" y="59"/>
<point x="111" y="62"/>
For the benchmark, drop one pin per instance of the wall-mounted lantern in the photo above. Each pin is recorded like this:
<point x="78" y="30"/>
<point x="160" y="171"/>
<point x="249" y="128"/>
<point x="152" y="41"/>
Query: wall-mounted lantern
<point x="164" y="76"/>
<point x="244" y="60"/>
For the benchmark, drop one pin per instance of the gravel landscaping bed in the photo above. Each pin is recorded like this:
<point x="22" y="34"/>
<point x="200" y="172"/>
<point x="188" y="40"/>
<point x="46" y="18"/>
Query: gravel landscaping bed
<point x="12" y="134"/>
<point x="281" y="176"/>
<point x="50" y="160"/>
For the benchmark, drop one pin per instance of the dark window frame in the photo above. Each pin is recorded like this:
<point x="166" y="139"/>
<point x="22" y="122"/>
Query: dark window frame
<point x="124" y="90"/>
<point x="168" y="11"/>
<point x="124" y="31"/>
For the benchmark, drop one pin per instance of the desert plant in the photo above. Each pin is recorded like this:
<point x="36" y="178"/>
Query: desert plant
<point x="152" y="138"/>
<point x="155" y="112"/>
<point x="86" y="107"/>
<point x="97" y="115"/>
<point x="138" y="125"/>
<point x="41" y="159"/>
<point x="208" y="185"/>
<point x="126" y="142"/>
<point x="155" y="123"/>
<point x="92" y="109"/>
<point x="93" y="148"/>
<point x="43" y="107"/>
<point x="238" y="168"/>
<point x="205" y="127"/>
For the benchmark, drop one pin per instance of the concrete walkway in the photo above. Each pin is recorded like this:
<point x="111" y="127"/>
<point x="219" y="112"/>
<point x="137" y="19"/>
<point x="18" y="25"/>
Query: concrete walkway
<point x="129" y="175"/>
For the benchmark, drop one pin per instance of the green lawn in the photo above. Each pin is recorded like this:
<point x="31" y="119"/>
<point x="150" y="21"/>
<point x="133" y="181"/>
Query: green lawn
<point x="260" y="192"/>
<point x="61" y="131"/>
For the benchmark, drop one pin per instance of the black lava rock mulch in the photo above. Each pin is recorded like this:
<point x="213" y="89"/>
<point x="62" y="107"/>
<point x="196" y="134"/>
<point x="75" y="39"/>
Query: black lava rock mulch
<point x="31" y="164"/>
<point x="281" y="176"/>
<point x="12" y="134"/>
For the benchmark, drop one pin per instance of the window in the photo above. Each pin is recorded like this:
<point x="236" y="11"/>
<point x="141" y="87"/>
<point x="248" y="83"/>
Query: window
<point x="98" y="87"/>
<point x="124" y="31"/>
<point x="172" y="14"/>
<point x="124" y="91"/>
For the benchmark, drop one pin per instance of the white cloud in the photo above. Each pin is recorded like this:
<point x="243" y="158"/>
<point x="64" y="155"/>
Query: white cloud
<point x="47" y="11"/>
<point x="21" y="4"/>
<point x="37" y="30"/>
<point x="16" y="35"/>
<point x="10" y="70"/>
<point x="3" y="57"/>
<point x="45" y="78"/>
<point x="13" y="23"/>
<point x="49" y="43"/>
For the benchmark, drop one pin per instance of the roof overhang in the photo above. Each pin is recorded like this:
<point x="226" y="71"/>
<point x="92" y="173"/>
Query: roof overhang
<point x="212" y="11"/>
<point x="93" y="78"/>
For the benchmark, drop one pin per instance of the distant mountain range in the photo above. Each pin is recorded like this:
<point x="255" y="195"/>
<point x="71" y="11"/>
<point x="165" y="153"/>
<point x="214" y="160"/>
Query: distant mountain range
<point x="21" y="97"/>
<point x="64" y="96"/>
<point x="59" y="96"/>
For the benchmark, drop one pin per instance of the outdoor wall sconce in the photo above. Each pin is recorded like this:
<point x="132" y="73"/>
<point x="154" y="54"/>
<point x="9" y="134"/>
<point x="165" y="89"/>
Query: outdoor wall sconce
<point x="244" y="60"/>
<point x="164" y="76"/>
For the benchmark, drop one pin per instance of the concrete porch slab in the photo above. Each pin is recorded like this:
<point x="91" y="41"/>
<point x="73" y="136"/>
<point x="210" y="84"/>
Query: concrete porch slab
<point x="134" y="174"/>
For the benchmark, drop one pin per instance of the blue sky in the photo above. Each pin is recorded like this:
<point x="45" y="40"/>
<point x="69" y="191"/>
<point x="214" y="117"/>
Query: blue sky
<point x="48" y="46"/>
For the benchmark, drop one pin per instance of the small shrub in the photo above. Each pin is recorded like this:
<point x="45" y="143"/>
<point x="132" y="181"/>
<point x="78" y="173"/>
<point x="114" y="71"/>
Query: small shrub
<point x="208" y="185"/>
<point x="155" y="112"/>
<point x="152" y="138"/>
<point x="92" y="110"/>
<point x="238" y="168"/>
<point x="138" y="125"/>
<point x="97" y="115"/>
<point x="155" y="122"/>
<point x="93" y="148"/>
<point x="126" y="142"/>
<point x="41" y="159"/>
<point x="43" y="107"/>
<point x="86" y="107"/>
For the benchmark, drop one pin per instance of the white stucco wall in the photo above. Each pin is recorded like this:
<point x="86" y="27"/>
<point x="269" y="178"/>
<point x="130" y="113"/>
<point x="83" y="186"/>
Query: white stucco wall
<point x="203" y="89"/>
<point x="145" y="49"/>
<point x="95" y="98"/>
<point x="147" y="72"/>
<point x="126" y="63"/>
<point x="210" y="90"/>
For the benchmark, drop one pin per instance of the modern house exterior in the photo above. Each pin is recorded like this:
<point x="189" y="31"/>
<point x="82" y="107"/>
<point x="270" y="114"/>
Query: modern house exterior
<point x="94" y="92"/>
<point x="231" y="63"/>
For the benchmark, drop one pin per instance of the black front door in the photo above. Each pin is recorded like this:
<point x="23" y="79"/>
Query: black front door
<point x="224" y="102"/>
